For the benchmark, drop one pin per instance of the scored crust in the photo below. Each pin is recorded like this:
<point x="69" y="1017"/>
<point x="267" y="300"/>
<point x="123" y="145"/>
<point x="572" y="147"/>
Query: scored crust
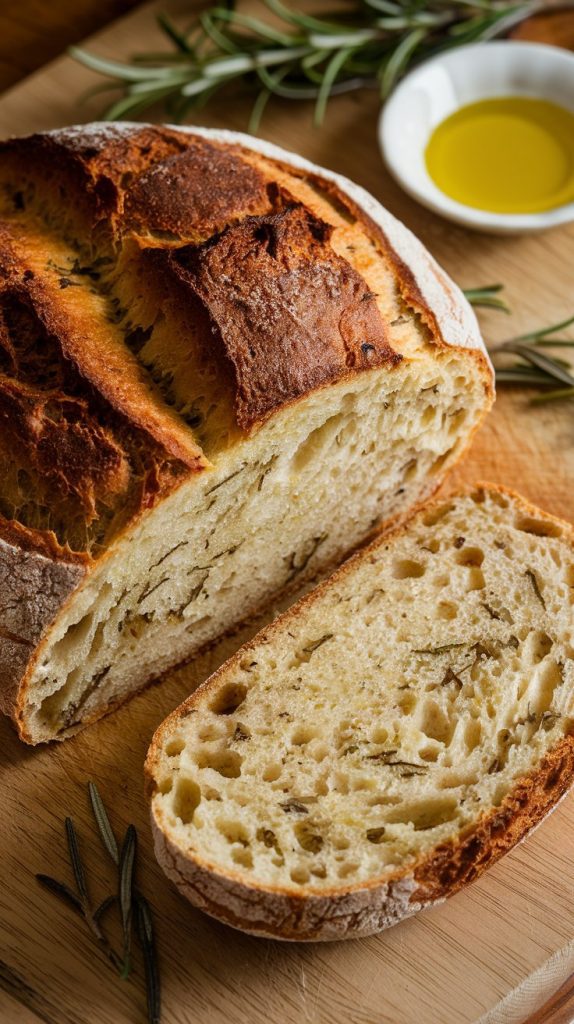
<point x="93" y="166"/>
<point x="363" y="908"/>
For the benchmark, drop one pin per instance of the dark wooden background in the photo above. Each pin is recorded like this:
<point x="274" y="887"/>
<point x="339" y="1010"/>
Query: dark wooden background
<point x="32" y="32"/>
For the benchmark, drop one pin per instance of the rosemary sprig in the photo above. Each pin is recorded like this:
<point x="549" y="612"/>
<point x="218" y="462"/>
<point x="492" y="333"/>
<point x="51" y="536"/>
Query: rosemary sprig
<point x="127" y="859"/>
<point x="144" y="925"/>
<point x="132" y="904"/>
<point x="536" y="369"/>
<point x="80" y="901"/>
<point x="300" y="56"/>
<point x="488" y="296"/>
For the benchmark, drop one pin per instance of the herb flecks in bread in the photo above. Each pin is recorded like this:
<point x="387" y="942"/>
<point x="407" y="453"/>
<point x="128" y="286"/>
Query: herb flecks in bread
<point x="220" y="371"/>
<point x="389" y="736"/>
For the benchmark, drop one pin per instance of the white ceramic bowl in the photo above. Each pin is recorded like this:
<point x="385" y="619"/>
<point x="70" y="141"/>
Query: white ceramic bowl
<point x="443" y="84"/>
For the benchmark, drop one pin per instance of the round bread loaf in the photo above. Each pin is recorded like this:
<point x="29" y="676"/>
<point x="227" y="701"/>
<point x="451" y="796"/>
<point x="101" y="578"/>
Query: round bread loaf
<point x="221" y="369"/>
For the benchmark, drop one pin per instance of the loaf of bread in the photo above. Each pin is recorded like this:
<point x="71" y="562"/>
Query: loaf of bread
<point x="221" y="369"/>
<point x="387" y="738"/>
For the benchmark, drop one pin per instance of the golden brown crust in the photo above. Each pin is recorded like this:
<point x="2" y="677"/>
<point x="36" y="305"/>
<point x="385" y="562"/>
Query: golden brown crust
<point x="408" y="284"/>
<point x="195" y="194"/>
<point x="290" y="313"/>
<point x="455" y="864"/>
<point x="365" y="908"/>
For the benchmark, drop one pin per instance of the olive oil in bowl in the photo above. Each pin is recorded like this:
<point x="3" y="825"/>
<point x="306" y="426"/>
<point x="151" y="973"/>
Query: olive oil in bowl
<point x="506" y="155"/>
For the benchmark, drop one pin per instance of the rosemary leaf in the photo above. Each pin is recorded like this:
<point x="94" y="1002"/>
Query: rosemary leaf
<point x="543" y="332"/>
<point x="177" y="37"/>
<point x="537" y="368"/>
<point x="104" y="905"/>
<point x="520" y="375"/>
<point x="76" y="861"/>
<point x="553" y="396"/>
<point x="62" y="890"/>
<point x="144" y="923"/>
<point x="336" y="62"/>
<point x="399" y="59"/>
<point x="552" y="367"/>
<point x="487" y="296"/>
<point x="103" y="823"/>
<point x="127" y="859"/>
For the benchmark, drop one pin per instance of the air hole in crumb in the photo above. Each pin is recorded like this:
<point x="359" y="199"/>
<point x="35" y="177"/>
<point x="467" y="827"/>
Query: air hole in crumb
<point x="272" y="773"/>
<point x="406" y="568"/>
<point x="186" y="799"/>
<point x="376" y="835"/>
<point x="432" y="545"/>
<point x="538" y="527"/>
<point x="299" y="875"/>
<point x="538" y="645"/>
<point x="441" y="581"/>
<point x="436" y="514"/>
<point x="472" y="735"/>
<point x="475" y="579"/>
<point x="347" y="869"/>
<point x="242" y="856"/>
<point x="209" y="793"/>
<point x="304" y="734"/>
<point x="319" y="751"/>
<point x="340" y="843"/>
<point x="319" y="872"/>
<point x="456" y="421"/>
<point x="428" y="416"/>
<point x="212" y="731"/>
<point x="225" y="762"/>
<point x="447" y="610"/>
<point x="233" y="831"/>
<point x="407" y="702"/>
<point x="439" y="463"/>
<point x="165" y="786"/>
<point x="360" y="782"/>
<point x="379" y="735"/>
<point x="434" y="723"/>
<point x="424" y="814"/>
<point x="228" y="699"/>
<point x="98" y="638"/>
<point x="470" y="557"/>
<point x="429" y="753"/>
<point x="79" y="631"/>
<point x="550" y="678"/>
<point x="175" y="746"/>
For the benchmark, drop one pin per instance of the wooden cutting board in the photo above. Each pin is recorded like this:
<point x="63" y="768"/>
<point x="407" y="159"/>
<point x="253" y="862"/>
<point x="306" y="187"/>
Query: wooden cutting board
<point x="448" y="966"/>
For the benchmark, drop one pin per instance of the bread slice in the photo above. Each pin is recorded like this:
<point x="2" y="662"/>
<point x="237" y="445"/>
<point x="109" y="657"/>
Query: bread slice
<point x="387" y="738"/>
<point x="221" y="369"/>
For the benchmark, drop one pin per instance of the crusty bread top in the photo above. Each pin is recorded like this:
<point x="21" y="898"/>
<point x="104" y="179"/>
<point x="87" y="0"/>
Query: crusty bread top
<point x="127" y="251"/>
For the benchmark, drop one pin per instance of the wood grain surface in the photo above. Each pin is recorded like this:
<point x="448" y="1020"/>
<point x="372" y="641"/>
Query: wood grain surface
<point x="34" y="31"/>
<point x="451" y="965"/>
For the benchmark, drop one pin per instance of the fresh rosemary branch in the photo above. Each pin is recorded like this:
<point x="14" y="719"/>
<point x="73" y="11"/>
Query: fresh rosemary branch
<point x="536" y="368"/>
<point x="487" y="296"/>
<point x="131" y="902"/>
<point x="298" y="57"/>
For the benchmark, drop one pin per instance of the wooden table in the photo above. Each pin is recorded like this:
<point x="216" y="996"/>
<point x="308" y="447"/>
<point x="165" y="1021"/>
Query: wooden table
<point x="449" y="966"/>
<point x="33" y="32"/>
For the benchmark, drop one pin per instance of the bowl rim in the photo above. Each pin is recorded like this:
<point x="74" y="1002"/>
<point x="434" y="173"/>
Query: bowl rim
<point x="438" y="201"/>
